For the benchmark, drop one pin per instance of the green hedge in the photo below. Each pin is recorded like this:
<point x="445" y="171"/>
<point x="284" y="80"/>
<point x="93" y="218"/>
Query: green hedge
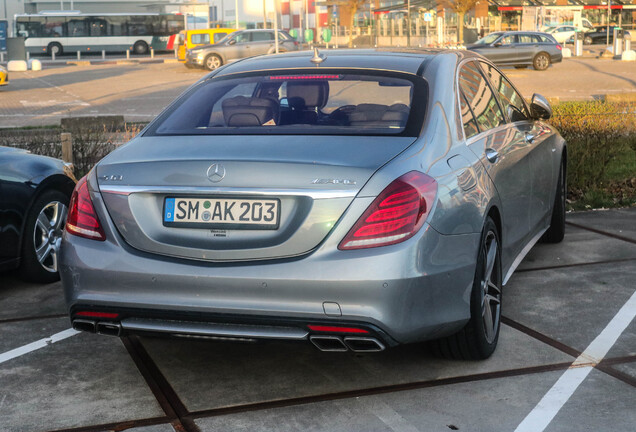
<point x="601" y="138"/>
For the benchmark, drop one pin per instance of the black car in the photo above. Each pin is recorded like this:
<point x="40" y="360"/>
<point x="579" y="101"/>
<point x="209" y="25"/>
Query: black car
<point x="599" y="35"/>
<point x="519" y="49"/>
<point x="34" y="198"/>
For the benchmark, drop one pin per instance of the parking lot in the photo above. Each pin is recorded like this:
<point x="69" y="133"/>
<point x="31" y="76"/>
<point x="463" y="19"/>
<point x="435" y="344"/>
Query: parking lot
<point x="139" y="91"/>
<point x="568" y="319"/>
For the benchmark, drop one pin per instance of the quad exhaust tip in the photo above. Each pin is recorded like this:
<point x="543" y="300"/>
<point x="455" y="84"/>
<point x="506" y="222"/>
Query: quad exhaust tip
<point x="84" y="325"/>
<point x="109" y="328"/>
<point x="339" y="344"/>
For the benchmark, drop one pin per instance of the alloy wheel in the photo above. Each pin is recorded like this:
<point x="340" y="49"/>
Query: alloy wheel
<point x="47" y="234"/>
<point x="491" y="288"/>
<point x="212" y="62"/>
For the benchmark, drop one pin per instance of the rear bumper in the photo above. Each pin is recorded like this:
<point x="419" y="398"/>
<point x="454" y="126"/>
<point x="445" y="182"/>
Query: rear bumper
<point x="416" y="290"/>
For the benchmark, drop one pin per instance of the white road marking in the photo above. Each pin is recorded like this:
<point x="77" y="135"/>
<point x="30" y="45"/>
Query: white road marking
<point x="10" y="355"/>
<point x="548" y="407"/>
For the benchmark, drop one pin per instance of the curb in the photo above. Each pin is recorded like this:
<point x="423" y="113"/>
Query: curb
<point x="117" y="62"/>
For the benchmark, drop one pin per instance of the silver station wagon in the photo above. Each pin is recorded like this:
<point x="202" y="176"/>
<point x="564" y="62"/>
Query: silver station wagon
<point x="357" y="199"/>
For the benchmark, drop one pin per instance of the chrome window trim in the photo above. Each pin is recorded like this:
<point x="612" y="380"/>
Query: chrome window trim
<point x="187" y="190"/>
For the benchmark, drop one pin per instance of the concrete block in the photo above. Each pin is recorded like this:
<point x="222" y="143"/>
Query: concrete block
<point x="567" y="52"/>
<point x="629" y="55"/>
<point x="17" y="66"/>
<point x="35" y="65"/>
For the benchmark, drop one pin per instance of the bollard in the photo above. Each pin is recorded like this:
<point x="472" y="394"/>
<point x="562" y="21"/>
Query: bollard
<point x="176" y="55"/>
<point x="79" y="55"/>
<point x="28" y="54"/>
<point x="67" y="147"/>
<point x="2" y="57"/>
<point x="127" y="54"/>
<point x="152" y="53"/>
<point x="103" y="54"/>
<point x="52" y="55"/>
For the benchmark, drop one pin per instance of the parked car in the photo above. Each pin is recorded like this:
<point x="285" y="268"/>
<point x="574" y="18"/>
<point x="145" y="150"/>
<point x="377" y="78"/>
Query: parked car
<point x="4" y="76"/>
<point x="188" y="39"/>
<point x="34" y="197"/>
<point x="240" y="44"/>
<point x="359" y="200"/>
<point x="599" y="35"/>
<point x="519" y="49"/>
<point x="562" y="33"/>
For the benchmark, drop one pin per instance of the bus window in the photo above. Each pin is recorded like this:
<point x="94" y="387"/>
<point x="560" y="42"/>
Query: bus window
<point x="55" y="27"/>
<point x="97" y="27"/>
<point x="77" y="27"/>
<point x="116" y="25"/>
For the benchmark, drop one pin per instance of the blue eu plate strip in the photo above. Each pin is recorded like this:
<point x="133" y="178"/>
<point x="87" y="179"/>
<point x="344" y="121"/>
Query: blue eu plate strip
<point x="169" y="210"/>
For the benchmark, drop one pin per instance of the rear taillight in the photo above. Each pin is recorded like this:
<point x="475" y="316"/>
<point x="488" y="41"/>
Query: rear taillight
<point x="559" y="47"/>
<point x="395" y="215"/>
<point x="82" y="219"/>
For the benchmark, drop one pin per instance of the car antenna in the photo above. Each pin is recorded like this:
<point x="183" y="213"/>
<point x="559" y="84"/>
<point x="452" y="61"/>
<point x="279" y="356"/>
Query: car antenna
<point x="317" y="58"/>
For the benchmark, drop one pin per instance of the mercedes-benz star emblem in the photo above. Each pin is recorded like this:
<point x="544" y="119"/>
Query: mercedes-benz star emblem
<point x="216" y="173"/>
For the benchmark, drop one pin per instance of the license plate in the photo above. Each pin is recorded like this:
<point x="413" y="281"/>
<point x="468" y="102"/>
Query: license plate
<point x="223" y="213"/>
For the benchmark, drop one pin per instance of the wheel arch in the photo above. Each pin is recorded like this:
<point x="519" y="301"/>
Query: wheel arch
<point x="495" y="215"/>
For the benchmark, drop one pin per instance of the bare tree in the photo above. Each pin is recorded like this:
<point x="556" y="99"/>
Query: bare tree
<point x="352" y="7"/>
<point x="460" y="7"/>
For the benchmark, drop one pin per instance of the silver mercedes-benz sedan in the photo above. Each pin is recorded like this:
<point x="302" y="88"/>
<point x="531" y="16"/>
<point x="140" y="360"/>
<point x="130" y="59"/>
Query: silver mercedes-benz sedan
<point x="357" y="199"/>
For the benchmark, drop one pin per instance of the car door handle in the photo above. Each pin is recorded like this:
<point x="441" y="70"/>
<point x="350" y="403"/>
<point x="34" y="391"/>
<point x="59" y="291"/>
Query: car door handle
<point x="529" y="137"/>
<point x="492" y="155"/>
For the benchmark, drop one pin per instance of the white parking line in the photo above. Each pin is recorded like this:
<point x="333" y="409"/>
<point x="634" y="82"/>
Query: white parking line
<point x="9" y="355"/>
<point x="548" y="407"/>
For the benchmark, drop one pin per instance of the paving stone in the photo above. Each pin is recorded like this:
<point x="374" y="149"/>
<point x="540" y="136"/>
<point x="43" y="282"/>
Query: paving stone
<point x="20" y="299"/>
<point x="601" y="403"/>
<point x="16" y="334"/>
<point x="80" y="381"/>
<point x="209" y="375"/>
<point x="573" y="305"/>
<point x="621" y="222"/>
<point x="627" y="368"/>
<point x="490" y="405"/>
<point x="579" y="246"/>
<point x="156" y="428"/>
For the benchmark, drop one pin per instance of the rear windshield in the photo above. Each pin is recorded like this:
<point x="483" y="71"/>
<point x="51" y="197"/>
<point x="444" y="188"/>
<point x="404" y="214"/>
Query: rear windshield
<point x="308" y="103"/>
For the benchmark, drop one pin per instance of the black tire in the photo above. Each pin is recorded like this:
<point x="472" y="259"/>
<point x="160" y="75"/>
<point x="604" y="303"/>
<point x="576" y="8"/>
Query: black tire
<point x="474" y="341"/>
<point x="521" y="67"/>
<point x="52" y="207"/>
<point x="140" y="48"/>
<point x="556" y="232"/>
<point x="588" y="40"/>
<point x="541" y="61"/>
<point x="212" y="62"/>
<point x="54" y="47"/>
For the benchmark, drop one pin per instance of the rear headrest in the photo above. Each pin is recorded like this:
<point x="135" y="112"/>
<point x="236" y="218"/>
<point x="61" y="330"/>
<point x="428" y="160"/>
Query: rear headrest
<point x="307" y="94"/>
<point x="246" y="111"/>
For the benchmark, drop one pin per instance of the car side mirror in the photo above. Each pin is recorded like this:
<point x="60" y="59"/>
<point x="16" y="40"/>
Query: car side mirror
<point x="497" y="44"/>
<point x="232" y="42"/>
<point x="540" y="107"/>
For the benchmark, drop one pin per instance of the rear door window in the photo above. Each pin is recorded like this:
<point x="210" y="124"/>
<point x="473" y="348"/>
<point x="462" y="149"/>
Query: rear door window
<point x="480" y="97"/>
<point x="262" y="36"/>
<point x="201" y="38"/>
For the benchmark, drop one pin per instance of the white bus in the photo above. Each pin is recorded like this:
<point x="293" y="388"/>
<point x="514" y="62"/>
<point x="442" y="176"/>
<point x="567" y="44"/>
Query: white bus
<point x="70" y="31"/>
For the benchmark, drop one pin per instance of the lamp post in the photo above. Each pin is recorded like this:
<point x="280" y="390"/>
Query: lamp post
<point x="609" y="16"/>
<point x="236" y="13"/>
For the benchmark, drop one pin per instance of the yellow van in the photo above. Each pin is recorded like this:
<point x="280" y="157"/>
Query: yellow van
<point x="189" y="39"/>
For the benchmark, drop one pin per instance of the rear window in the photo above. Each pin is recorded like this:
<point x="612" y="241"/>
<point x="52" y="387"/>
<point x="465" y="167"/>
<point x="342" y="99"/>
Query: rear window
<point x="324" y="103"/>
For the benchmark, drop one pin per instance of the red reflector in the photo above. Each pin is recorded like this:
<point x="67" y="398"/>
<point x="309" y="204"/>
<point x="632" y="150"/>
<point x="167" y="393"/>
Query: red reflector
<point x="82" y="219"/>
<point x="395" y="215"/>
<point x="303" y="77"/>
<point x="97" y="314"/>
<point x="559" y="47"/>
<point x="332" y="329"/>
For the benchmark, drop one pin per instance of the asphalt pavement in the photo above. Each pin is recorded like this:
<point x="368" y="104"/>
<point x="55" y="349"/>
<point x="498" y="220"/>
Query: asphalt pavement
<point x="566" y="361"/>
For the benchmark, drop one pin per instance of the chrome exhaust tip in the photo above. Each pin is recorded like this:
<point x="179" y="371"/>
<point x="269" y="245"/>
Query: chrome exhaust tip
<point x="328" y="343"/>
<point x="109" y="328"/>
<point x="364" y="344"/>
<point x="84" y="325"/>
